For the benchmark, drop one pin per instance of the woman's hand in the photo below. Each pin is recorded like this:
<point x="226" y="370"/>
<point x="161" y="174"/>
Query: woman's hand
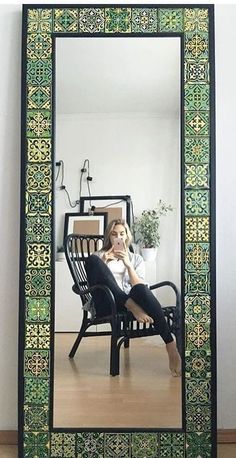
<point x="123" y="256"/>
<point x="108" y="255"/>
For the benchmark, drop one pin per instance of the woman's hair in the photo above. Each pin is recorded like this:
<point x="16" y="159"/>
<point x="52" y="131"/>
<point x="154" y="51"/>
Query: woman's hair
<point x="110" y="228"/>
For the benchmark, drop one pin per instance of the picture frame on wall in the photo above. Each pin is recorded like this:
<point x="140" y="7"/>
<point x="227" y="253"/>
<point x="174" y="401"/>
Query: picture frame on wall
<point x="116" y="207"/>
<point x="85" y="223"/>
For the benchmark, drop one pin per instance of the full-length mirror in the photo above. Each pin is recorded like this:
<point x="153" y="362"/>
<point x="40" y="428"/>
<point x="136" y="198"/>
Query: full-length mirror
<point x="118" y="105"/>
<point x="126" y="94"/>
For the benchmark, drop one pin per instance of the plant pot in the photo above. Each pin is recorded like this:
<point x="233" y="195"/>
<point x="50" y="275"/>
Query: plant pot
<point x="149" y="254"/>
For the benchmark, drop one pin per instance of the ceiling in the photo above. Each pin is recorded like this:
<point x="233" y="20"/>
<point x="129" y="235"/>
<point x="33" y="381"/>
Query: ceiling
<point x="118" y="75"/>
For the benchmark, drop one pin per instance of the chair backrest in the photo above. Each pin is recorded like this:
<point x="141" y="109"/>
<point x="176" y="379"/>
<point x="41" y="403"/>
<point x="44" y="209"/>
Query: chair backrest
<point x="77" y="248"/>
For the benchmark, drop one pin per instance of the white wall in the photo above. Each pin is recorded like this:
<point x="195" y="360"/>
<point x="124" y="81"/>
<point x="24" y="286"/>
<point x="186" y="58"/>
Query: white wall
<point x="10" y="38"/>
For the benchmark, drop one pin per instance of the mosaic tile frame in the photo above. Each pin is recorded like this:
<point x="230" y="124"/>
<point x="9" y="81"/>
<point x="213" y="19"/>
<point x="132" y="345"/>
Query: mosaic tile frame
<point x="41" y="23"/>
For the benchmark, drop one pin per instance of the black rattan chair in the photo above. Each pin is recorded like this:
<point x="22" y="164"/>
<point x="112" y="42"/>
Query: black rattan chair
<point x="123" y="325"/>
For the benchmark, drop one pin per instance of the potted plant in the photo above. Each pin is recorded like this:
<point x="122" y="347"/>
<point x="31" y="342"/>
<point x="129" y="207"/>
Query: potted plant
<point x="60" y="253"/>
<point x="146" y="229"/>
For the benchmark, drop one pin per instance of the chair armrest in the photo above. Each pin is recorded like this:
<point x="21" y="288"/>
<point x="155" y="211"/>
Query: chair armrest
<point x="105" y="289"/>
<point x="173" y="286"/>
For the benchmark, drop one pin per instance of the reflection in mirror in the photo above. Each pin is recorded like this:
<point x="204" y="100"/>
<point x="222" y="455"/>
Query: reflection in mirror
<point x="117" y="105"/>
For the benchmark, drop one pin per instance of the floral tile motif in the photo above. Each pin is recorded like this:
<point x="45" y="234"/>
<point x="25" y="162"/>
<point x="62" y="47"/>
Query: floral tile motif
<point x="198" y="444"/>
<point x="198" y="364"/>
<point x="144" y="20"/>
<point x="38" y="204"/>
<point x="117" y="445"/>
<point x="39" y="177"/>
<point x="37" y="336"/>
<point x="197" y="202"/>
<point x="65" y="20"/>
<point x="39" y="124"/>
<point x="36" y="391"/>
<point x="170" y="20"/>
<point x="196" y="19"/>
<point x="196" y="46"/>
<point x="197" y="336"/>
<point x="38" y="309"/>
<point x="197" y="257"/>
<point x="197" y="123"/>
<point x="197" y="229"/>
<point x="63" y="445"/>
<point x="38" y="255"/>
<point x="199" y="418"/>
<point x="38" y="229"/>
<point x="197" y="308"/>
<point x="36" y="418"/>
<point x="118" y="20"/>
<point x="38" y="282"/>
<point x="172" y="445"/>
<point x="39" y="72"/>
<point x="196" y="71"/>
<point x="91" y="20"/>
<point x="36" y="444"/>
<point x="196" y="97"/>
<point x="39" y="98"/>
<point x="90" y="445"/>
<point x="39" y="149"/>
<point x="36" y="363"/>
<point x="197" y="283"/>
<point x="145" y="445"/>
<point x="39" y="46"/>
<point x="39" y="21"/>
<point x="198" y="391"/>
<point x="197" y="150"/>
<point x="197" y="176"/>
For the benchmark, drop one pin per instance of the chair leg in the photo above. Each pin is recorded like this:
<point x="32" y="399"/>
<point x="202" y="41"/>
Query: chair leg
<point x="114" y="353"/>
<point x="79" y="338"/>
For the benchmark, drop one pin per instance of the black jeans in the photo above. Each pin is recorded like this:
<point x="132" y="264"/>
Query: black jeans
<point x="98" y="273"/>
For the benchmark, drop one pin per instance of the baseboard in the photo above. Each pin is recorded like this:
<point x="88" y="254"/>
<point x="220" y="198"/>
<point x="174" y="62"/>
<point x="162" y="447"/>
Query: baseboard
<point x="226" y="436"/>
<point x="8" y="437"/>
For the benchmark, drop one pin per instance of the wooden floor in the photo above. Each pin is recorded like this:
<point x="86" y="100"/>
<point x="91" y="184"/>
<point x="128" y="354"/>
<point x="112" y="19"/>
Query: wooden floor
<point x="224" y="451"/>
<point x="144" y="395"/>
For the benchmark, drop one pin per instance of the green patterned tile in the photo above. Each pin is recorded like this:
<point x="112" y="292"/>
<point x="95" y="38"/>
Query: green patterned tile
<point x="36" y="391"/>
<point x="38" y="309"/>
<point x="36" y="363"/>
<point x="170" y="20"/>
<point x="92" y="20"/>
<point x="196" y="71"/>
<point x="39" y="98"/>
<point x="198" y="364"/>
<point x="196" y="97"/>
<point x="39" y="46"/>
<point x="198" y="417"/>
<point x="145" y="445"/>
<point x="172" y="445"/>
<point x="39" y="72"/>
<point x="198" y="391"/>
<point x="63" y="445"/>
<point x="117" y="20"/>
<point x="197" y="202"/>
<point x="36" y="418"/>
<point x="197" y="176"/>
<point x="196" y="45"/>
<point x="36" y="445"/>
<point x="198" y="444"/>
<point x="197" y="123"/>
<point x="197" y="150"/>
<point x="197" y="308"/>
<point x="38" y="204"/>
<point x="90" y="445"/>
<point x="38" y="282"/>
<point x="197" y="283"/>
<point x="39" y="177"/>
<point x="38" y="229"/>
<point x="197" y="336"/>
<point x="197" y="257"/>
<point x="144" y="20"/>
<point x="39" y="124"/>
<point x="117" y="445"/>
<point x="66" y="20"/>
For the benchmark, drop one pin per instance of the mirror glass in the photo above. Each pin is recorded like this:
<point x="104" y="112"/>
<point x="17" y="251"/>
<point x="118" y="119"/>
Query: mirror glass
<point x="117" y="105"/>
